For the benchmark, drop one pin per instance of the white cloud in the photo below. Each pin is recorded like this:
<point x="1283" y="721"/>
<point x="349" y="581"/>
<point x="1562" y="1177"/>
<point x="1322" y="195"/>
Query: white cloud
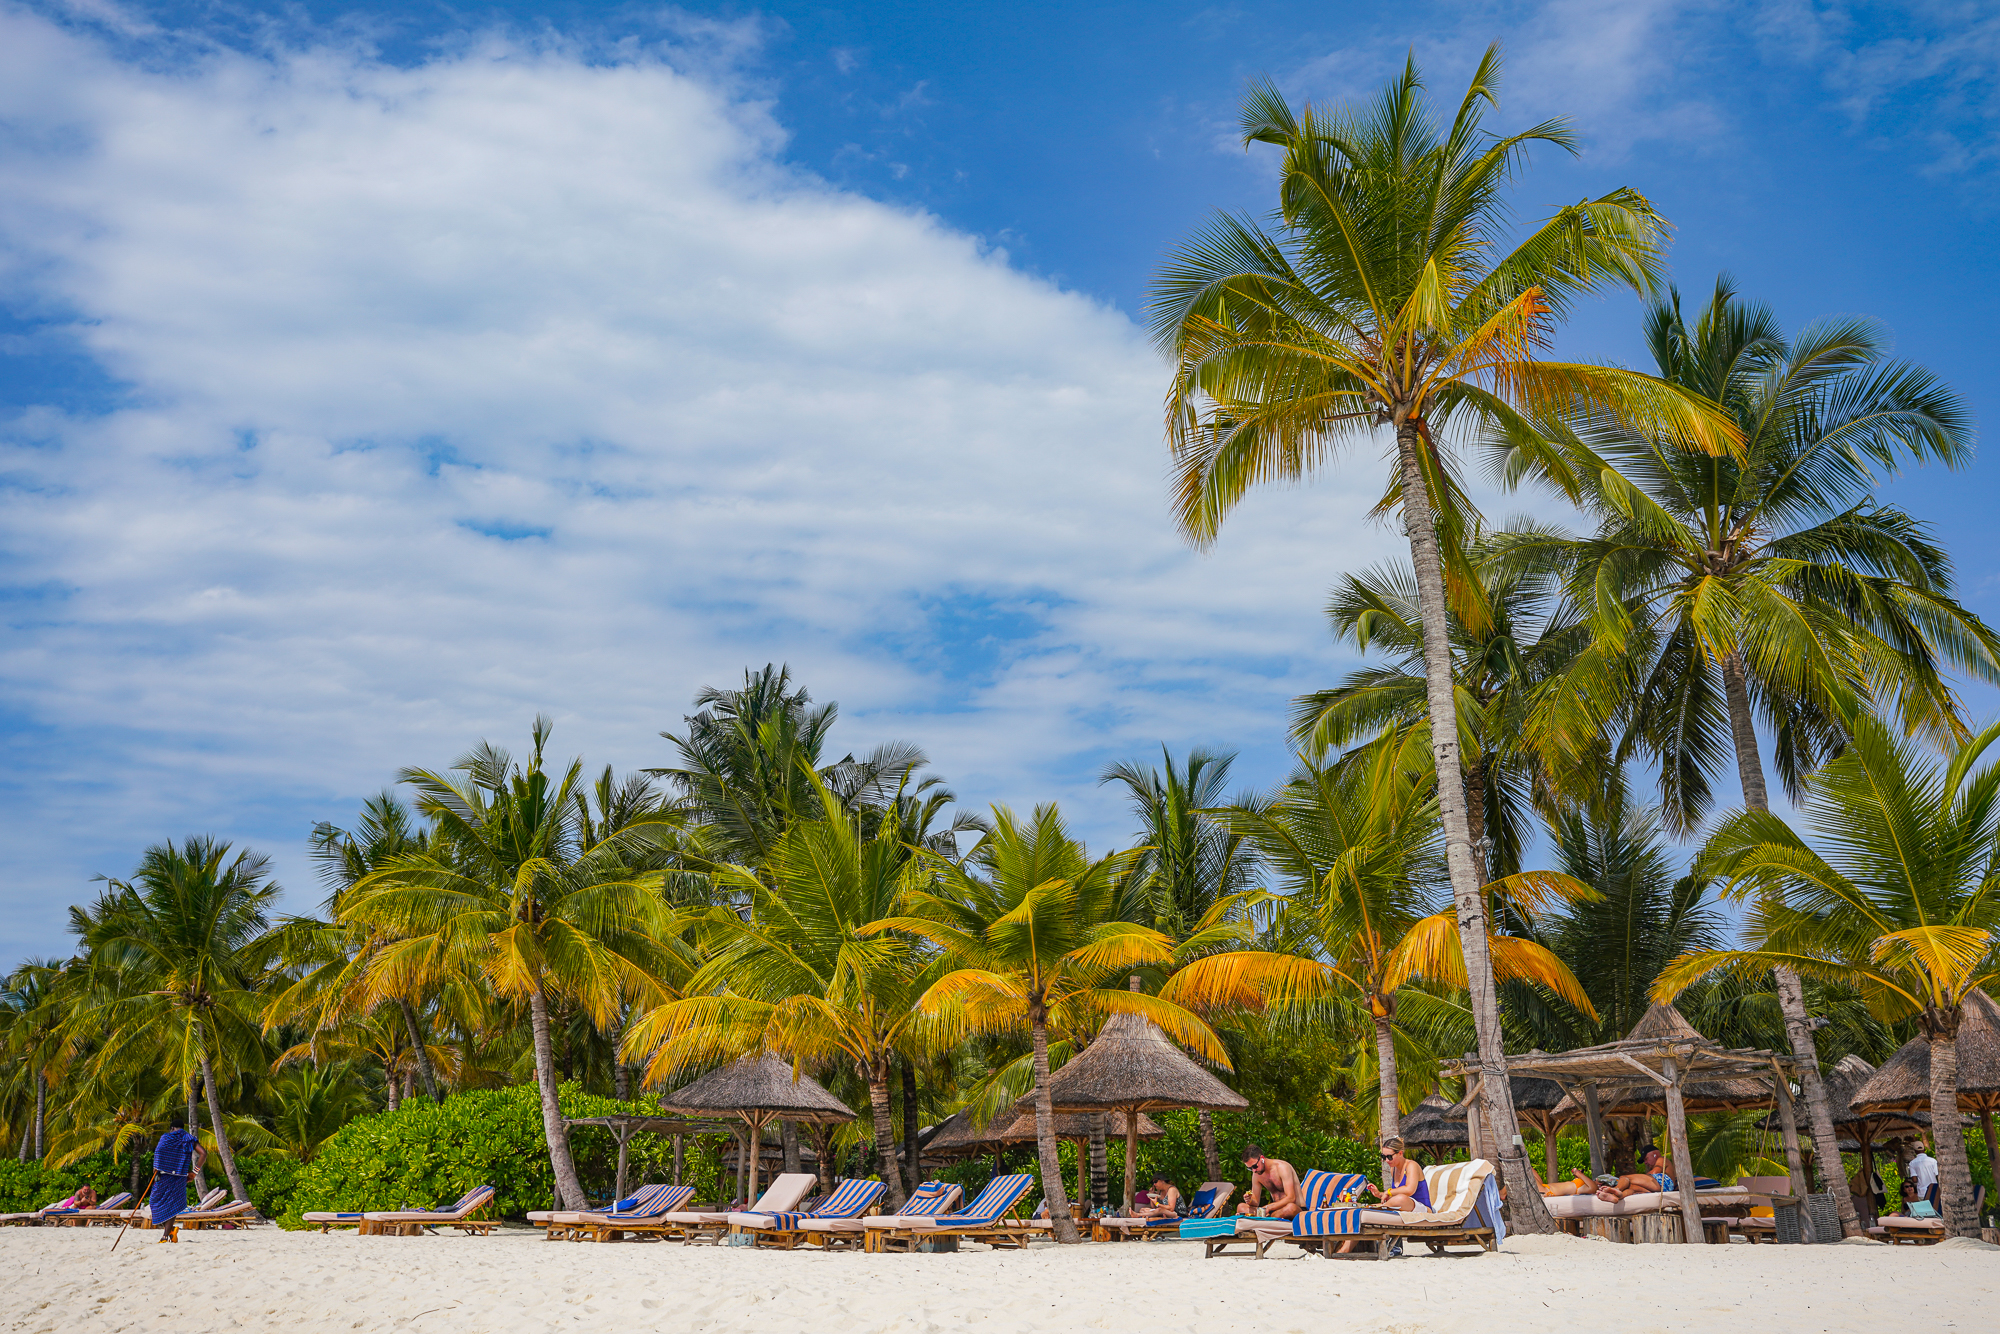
<point x="720" y="413"/>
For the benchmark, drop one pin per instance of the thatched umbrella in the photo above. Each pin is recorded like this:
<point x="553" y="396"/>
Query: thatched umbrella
<point x="760" y="1090"/>
<point x="623" y="1126"/>
<point x="1130" y="1066"/>
<point x="1076" y="1128"/>
<point x="1903" y="1084"/>
<point x="1435" y="1124"/>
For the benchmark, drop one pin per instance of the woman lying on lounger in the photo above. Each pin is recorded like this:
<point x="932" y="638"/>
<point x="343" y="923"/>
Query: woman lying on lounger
<point x="1582" y="1185"/>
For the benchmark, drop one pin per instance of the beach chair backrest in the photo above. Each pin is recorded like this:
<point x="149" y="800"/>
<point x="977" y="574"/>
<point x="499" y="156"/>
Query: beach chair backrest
<point x="1454" y="1187"/>
<point x="213" y="1198"/>
<point x="785" y="1193"/>
<point x="645" y="1202"/>
<point x="1325" y="1190"/>
<point x="674" y="1198"/>
<point x="851" y="1200"/>
<point x="1223" y="1190"/>
<point x="931" y="1199"/>
<point x="469" y="1201"/>
<point x="1000" y="1195"/>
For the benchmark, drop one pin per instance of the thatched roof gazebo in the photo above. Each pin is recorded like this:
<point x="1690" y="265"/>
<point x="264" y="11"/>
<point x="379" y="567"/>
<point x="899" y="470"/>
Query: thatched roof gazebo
<point x="1434" y="1124"/>
<point x="960" y="1136"/>
<point x="1076" y="1128"/>
<point x="758" y="1090"/>
<point x="1903" y="1084"/>
<point x="1667" y="1053"/>
<point x="1130" y="1066"/>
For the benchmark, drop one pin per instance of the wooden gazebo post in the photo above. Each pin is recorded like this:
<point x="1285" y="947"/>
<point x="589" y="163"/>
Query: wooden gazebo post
<point x="1594" y="1127"/>
<point x="1788" y="1124"/>
<point x="1677" y="1136"/>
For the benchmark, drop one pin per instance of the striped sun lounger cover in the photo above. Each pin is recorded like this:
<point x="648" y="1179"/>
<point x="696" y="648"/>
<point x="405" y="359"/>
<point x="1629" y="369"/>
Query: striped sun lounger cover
<point x="1330" y="1205"/>
<point x="850" y="1201"/>
<point x="928" y="1200"/>
<point x="1000" y="1195"/>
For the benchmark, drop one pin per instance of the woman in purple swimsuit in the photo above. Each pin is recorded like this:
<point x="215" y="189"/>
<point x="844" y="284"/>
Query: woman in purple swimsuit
<point x="1404" y="1187"/>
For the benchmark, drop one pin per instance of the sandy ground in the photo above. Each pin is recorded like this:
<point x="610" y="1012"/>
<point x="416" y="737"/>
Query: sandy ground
<point x="68" y="1279"/>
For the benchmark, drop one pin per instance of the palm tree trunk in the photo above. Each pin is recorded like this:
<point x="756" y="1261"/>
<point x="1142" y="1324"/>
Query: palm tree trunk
<point x="41" y="1114"/>
<point x="392" y="1088"/>
<point x="27" y="1140"/>
<point x="1210" y="1158"/>
<point x="1528" y="1213"/>
<point x="885" y="1135"/>
<point x="621" y="1073"/>
<point x="425" y="1071"/>
<point x="223" y="1151"/>
<point x="1045" y="1137"/>
<point x="1954" y="1172"/>
<point x="199" y="1178"/>
<point x="1791" y="992"/>
<point x="1387" y="1114"/>
<point x="912" y="1150"/>
<point x="567" y="1184"/>
<point x="788" y="1140"/>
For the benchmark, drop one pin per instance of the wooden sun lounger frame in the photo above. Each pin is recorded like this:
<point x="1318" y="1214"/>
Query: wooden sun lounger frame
<point x="1002" y="1234"/>
<point x="1125" y="1229"/>
<point x="1380" y="1239"/>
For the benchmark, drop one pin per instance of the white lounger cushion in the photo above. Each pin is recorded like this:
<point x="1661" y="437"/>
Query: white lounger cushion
<point x="784" y="1195"/>
<point x="832" y="1224"/>
<point x="1589" y="1206"/>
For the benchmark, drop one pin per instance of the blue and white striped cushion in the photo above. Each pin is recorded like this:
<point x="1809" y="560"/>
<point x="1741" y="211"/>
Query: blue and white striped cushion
<point x="1324" y="1190"/>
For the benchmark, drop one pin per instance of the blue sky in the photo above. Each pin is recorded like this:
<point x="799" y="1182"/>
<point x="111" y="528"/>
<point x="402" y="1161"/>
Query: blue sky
<point x="374" y="376"/>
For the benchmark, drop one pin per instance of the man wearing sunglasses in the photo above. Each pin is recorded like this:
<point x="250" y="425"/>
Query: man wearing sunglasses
<point x="1273" y="1176"/>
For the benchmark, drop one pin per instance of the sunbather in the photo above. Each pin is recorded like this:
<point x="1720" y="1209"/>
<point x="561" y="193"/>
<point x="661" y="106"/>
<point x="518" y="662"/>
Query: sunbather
<point x="85" y="1198"/>
<point x="1403" y="1186"/>
<point x="1582" y="1185"/>
<point x="1658" y="1176"/>
<point x="1269" y="1175"/>
<point x="1166" y="1202"/>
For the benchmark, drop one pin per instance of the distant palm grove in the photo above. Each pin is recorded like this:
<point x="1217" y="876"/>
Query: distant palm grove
<point x="1542" y="803"/>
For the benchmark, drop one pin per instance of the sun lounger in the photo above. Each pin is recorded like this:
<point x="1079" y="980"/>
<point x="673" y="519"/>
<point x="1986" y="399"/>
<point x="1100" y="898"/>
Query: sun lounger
<point x="112" y="1210"/>
<point x="926" y="1201"/>
<point x="1317" y="1191"/>
<point x="785" y="1193"/>
<point x="142" y="1217"/>
<point x="646" y="1205"/>
<point x="784" y="1231"/>
<point x="49" y="1213"/>
<point x="1455" y="1190"/>
<point x="413" y="1222"/>
<point x="1118" y="1229"/>
<point x="982" y="1220"/>
<point x="237" y="1213"/>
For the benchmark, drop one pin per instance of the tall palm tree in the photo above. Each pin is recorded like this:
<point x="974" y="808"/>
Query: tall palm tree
<point x="745" y="758"/>
<point x="1896" y="892"/>
<point x="1040" y="935"/>
<point x="506" y="887"/>
<point x="178" y="950"/>
<point x="1355" y="851"/>
<point x="38" y="1005"/>
<point x="1514" y="634"/>
<point x="1760" y="583"/>
<point x="1197" y="872"/>
<point x="1385" y="301"/>
<point x="805" y="974"/>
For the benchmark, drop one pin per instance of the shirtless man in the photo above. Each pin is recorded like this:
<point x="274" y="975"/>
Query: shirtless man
<point x="1274" y="1175"/>
<point x="1658" y="1176"/>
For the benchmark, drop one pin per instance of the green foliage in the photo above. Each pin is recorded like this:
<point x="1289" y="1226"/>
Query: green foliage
<point x="272" y="1179"/>
<point x="428" y="1153"/>
<point x="25" y="1187"/>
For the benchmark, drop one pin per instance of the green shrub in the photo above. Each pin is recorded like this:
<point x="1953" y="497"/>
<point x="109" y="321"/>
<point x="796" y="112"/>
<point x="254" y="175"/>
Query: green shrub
<point x="26" y="1187"/>
<point x="429" y="1154"/>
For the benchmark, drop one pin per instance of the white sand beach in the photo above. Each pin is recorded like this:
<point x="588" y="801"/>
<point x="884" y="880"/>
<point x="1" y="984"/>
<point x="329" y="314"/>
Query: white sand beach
<point x="516" y="1282"/>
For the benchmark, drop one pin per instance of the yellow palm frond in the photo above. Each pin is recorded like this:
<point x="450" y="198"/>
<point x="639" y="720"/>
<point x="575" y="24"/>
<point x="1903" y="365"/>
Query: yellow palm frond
<point x="1249" y="980"/>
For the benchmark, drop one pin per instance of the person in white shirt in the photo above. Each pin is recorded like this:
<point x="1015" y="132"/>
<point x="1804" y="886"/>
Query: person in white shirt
<point x="1923" y="1171"/>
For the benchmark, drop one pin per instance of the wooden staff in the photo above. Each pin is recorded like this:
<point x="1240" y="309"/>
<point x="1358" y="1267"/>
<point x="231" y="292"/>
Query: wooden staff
<point x="134" y="1210"/>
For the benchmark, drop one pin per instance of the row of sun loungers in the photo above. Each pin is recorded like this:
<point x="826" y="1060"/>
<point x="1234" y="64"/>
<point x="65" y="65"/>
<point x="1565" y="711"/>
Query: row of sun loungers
<point x="210" y="1211"/>
<point x="60" y="1217"/>
<point x="412" y="1222"/>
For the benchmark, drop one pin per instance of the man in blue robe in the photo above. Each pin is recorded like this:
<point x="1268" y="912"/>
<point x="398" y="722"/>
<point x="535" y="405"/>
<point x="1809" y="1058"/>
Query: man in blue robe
<point x="178" y="1156"/>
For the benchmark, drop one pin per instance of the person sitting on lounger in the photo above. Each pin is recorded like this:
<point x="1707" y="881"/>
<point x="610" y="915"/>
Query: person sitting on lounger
<point x="1275" y="1176"/>
<point x="1582" y="1185"/>
<point x="1658" y="1177"/>
<point x="1403" y="1187"/>
<point x="1166" y="1201"/>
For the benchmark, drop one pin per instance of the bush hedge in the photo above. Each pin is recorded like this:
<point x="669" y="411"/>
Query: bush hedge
<point x="427" y="1154"/>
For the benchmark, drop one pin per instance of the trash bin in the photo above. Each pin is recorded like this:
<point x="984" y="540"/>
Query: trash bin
<point x="1825" y="1215"/>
